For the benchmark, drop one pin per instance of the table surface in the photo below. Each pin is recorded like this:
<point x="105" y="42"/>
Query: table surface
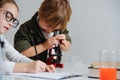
<point x="13" y="77"/>
<point x="74" y="69"/>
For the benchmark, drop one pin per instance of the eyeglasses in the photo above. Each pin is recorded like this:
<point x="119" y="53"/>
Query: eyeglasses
<point x="9" y="17"/>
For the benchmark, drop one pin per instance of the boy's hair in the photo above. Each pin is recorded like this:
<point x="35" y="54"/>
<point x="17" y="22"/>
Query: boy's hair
<point x="2" y="2"/>
<point x="55" y="12"/>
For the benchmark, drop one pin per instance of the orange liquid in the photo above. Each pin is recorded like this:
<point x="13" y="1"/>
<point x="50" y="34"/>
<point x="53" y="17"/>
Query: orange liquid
<point x="108" y="73"/>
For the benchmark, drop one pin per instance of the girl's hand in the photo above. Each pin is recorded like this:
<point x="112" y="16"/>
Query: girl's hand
<point x="50" y="68"/>
<point x="36" y="66"/>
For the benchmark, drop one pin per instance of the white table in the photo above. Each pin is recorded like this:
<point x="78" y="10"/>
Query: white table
<point x="11" y="77"/>
<point x="72" y="69"/>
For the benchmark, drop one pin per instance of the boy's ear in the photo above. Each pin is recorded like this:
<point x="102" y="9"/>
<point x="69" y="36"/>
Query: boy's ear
<point x="38" y="11"/>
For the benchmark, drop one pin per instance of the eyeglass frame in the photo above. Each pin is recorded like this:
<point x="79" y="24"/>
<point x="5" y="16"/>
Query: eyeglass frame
<point x="8" y="19"/>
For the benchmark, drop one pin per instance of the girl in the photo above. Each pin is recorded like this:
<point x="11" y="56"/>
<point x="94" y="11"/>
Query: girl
<point x="8" y="14"/>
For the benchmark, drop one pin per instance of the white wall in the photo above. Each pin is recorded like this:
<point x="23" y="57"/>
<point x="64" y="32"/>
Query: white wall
<point x="94" y="25"/>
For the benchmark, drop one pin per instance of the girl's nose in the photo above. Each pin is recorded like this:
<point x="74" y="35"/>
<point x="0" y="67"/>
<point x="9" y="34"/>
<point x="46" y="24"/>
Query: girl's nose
<point x="10" y="24"/>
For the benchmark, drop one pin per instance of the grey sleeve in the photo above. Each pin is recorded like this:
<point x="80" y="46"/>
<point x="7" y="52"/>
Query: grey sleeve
<point x="13" y="55"/>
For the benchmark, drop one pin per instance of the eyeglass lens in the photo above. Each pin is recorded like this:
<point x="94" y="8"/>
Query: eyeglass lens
<point x="9" y="17"/>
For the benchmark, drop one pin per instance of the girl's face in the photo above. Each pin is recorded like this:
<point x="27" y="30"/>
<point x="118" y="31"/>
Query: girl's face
<point x="7" y="9"/>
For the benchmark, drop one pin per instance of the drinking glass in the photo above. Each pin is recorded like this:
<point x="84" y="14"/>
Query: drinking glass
<point x="108" y="69"/>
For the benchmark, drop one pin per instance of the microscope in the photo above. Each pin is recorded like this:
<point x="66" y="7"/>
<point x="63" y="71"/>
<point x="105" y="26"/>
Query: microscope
<point x="55" y="54"/>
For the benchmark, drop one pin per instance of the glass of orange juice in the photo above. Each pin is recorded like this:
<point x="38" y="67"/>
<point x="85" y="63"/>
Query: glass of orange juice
<point x="108" y="69"/>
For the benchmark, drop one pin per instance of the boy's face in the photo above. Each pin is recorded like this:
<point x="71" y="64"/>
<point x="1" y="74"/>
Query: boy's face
<point x="4" y="24"/>
<point x="44" y="26"/>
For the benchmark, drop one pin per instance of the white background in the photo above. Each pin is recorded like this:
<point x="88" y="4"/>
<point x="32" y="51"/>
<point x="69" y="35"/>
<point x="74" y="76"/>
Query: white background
<point x="94" y="25"/>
